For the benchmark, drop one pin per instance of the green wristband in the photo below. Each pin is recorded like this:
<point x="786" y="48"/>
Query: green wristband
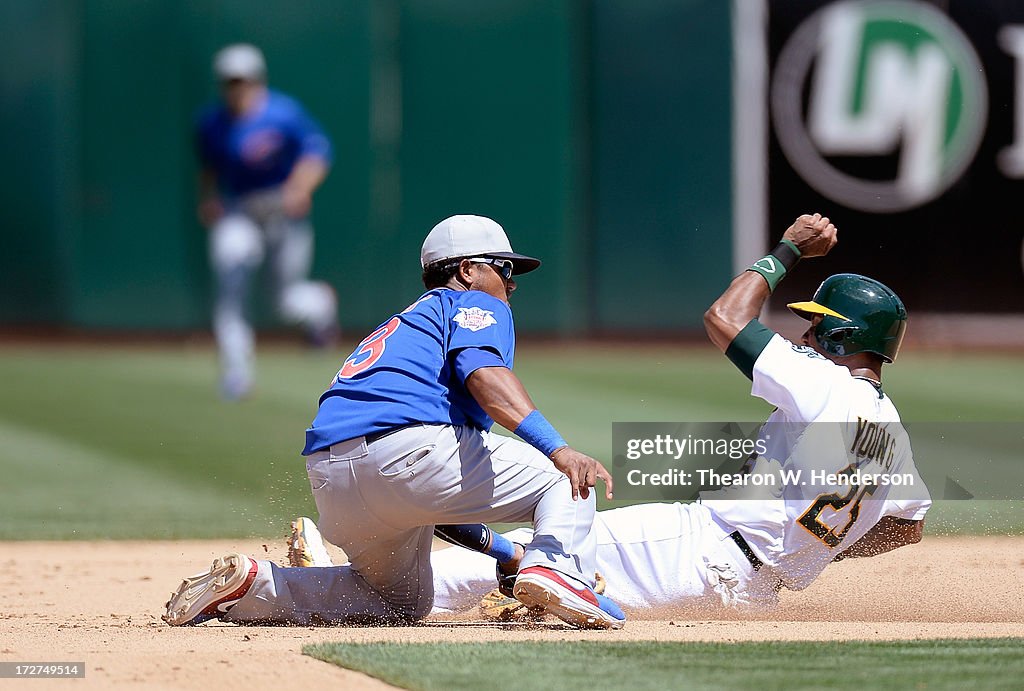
<point x="774" y="266"/>
<point x="771" y="269"/>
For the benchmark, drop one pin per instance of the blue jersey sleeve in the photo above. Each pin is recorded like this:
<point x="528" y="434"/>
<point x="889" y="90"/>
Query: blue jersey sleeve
<point x="312" y="140"/>
<point x="479" y="320"/>
<point x="469" y="360"/>
<point x="310" y="136"/>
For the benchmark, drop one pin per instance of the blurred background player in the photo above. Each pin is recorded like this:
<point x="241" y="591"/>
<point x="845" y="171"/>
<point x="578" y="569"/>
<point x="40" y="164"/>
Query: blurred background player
<point x="262" y="158"/>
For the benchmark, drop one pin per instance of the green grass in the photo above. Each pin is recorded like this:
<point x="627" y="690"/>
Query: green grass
<point x="638" y="666"/>
<point x="125" y="442"/>
<point x="136" y="443"/>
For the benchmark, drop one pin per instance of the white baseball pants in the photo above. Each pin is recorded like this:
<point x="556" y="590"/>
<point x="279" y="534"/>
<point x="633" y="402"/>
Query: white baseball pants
<point x="651" y="555"/>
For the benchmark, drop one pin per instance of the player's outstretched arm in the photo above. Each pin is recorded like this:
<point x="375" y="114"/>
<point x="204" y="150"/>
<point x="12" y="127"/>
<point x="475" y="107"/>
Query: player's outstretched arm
<point x="809" y="236"/>
<point x="210" y="208"/>
<point x="502" y="396"/>
<point x="888" y="534"/>
<point x="308" y="173"/>
<point x="740" y="303"/>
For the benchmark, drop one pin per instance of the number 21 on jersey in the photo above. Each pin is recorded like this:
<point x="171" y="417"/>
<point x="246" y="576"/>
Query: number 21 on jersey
<point x="813" y="519"/>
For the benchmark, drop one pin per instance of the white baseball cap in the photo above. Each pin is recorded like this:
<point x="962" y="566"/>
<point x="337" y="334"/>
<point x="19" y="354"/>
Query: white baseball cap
<point x="472" y="236"/>
<point x="240" y="61"/>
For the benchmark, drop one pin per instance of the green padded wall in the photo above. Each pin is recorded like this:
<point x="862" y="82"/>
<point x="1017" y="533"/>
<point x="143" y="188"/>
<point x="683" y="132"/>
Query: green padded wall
<point x="489" y="117"/>
<point x="39" y="44"/>
<point x="596" y="132"/>
<point x="662" y="132"/>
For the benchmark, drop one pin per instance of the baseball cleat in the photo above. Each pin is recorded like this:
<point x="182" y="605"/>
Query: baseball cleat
<point x="306" y="545"/>
<point x="538" y="586"/>
<point x="507" y="583"/>
<point x="236" y="387"/>
<point x="210" y="594"/>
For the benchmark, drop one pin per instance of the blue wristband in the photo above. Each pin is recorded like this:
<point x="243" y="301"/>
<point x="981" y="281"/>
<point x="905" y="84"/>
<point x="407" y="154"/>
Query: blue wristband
<point x="536" y="431"/>
<point x="502" y="549"/>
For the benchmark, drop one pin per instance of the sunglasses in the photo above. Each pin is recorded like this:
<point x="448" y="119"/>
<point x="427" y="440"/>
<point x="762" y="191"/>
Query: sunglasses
<point x="502" y="266"/>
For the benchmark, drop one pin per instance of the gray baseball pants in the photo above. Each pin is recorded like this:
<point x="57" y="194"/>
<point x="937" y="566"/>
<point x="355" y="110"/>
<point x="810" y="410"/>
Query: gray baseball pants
<point x="253" y="229"/>
<point x="379" y="502"/>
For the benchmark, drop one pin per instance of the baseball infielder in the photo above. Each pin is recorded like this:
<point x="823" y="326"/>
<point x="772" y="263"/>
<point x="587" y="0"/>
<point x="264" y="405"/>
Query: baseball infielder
<point x="739" y="551"/>
<point x="262" y="159"/>
<point x="401" y="444"/>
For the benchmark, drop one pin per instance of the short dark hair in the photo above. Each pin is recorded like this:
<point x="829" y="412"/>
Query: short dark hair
<point x="439" y="273"/>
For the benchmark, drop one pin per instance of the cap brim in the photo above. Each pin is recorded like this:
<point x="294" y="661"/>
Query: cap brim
<point x="807" y="310"/>
<point x="521" y="264"/>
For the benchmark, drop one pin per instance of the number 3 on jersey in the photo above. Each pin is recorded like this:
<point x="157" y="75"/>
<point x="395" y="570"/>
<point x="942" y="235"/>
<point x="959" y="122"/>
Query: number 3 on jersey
<point x="369" y="350"/>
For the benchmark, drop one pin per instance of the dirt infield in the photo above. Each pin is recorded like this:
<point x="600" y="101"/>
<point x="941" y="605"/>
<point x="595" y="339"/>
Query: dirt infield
<point x="100" y="603"/>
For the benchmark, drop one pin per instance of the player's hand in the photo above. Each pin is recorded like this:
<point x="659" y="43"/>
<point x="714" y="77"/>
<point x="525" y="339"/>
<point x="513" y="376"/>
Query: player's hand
<point x="296" y="201"/>
<point x="582" y="471"/>
<point x="813" y="235"/>
<point x="209" y="211"/>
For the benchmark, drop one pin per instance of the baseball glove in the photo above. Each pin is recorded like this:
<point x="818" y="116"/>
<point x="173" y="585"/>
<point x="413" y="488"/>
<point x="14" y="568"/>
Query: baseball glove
<point x="497" y="606"/>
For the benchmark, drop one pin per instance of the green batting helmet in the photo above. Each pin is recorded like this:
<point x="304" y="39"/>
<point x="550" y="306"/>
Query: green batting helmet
<point x="860" y="315"/>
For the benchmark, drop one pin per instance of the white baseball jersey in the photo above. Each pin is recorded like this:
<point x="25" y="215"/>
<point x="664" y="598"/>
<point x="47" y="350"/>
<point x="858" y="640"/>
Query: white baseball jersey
<point x="830" y="428"/>
<point x="827" y="422"/>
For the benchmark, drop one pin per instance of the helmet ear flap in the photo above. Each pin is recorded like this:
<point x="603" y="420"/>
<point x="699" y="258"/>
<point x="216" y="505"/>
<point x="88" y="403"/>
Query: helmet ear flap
<point x="831" y="340"/>
<point x="841" y="334"/>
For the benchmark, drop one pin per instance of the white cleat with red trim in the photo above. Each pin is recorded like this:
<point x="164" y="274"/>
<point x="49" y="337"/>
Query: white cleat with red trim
<point x="538" y="586"/>
<point x="209" y="595"/>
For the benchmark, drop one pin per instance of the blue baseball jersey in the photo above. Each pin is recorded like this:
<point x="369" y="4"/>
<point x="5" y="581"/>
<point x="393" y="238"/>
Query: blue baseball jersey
<point x="412" y="368"/>
<point x="259" y="149"/>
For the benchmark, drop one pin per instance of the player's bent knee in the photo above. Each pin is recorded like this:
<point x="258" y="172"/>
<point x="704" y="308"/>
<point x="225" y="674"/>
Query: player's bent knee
<point x="420" y="612"/>
<point x="417" y="611"/>
<point x="308" y="302"/>
<point x="235" y="240"/>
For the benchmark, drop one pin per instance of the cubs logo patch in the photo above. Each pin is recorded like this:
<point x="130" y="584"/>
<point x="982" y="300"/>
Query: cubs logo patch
<point x="474" y="318"/>
<point x="260" y="147"/>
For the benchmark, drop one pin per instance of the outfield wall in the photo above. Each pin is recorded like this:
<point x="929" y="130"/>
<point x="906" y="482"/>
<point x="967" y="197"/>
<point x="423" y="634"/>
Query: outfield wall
<point x="646" y="151"/>
<point x="574" y="123"/>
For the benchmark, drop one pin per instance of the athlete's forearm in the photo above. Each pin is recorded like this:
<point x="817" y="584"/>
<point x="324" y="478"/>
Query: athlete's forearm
<point x="502" y="396"/>
<point x="308" y="174"/>
<point x="888" y="534"/>
<point x="207" y="183"/>
<point x="210" y="207"/>
<point x="809" y="236"/>
<point x="740" y="303"/>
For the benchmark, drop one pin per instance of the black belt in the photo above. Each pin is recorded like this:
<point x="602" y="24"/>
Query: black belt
<point x="377" y="436"/>
<point x="747" y="552"/>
